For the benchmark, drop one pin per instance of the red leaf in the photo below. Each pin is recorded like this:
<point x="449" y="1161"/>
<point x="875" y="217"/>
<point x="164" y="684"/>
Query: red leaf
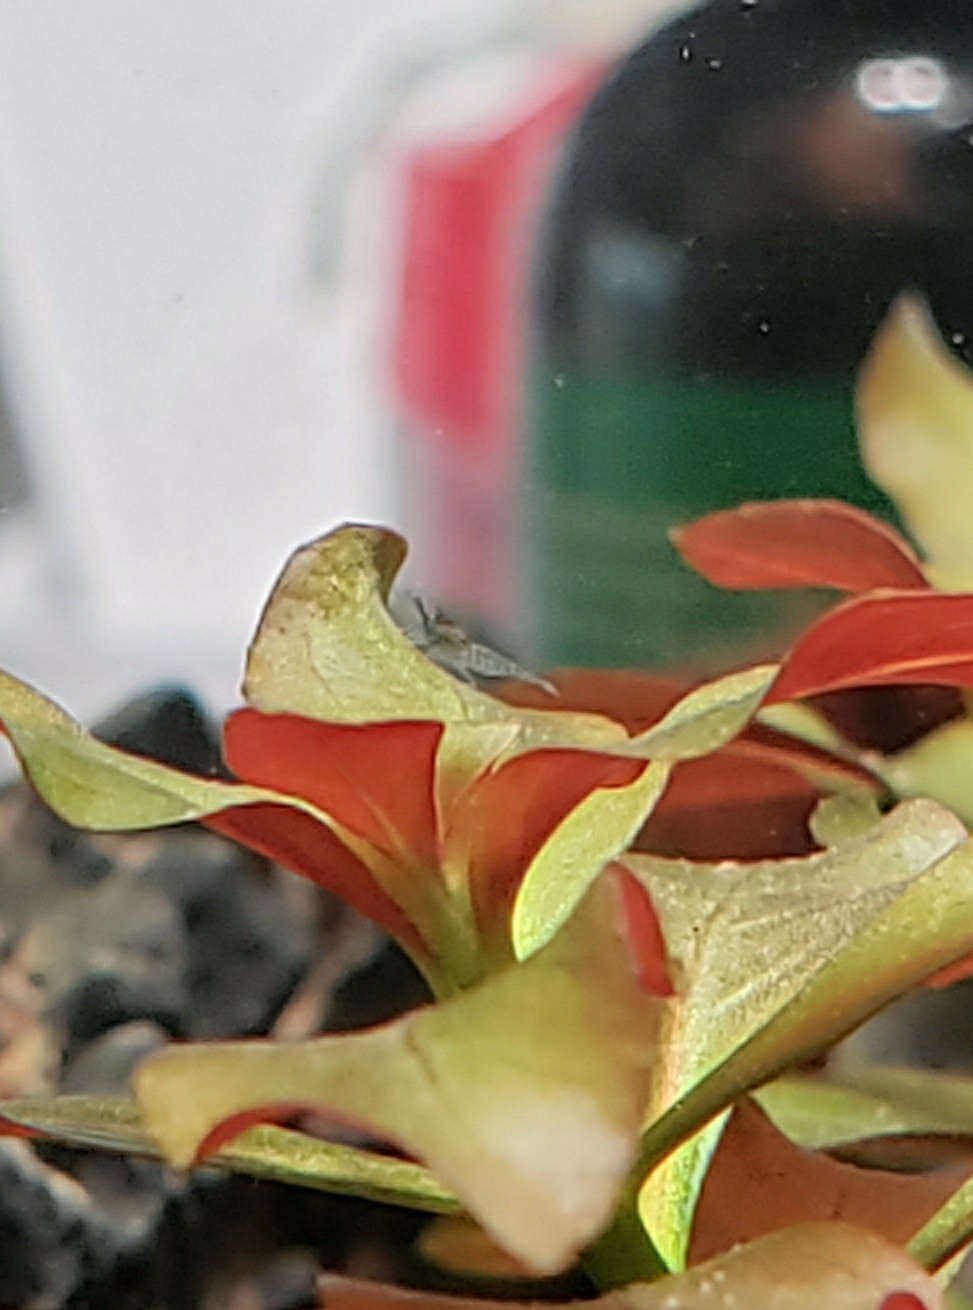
<point x="726" y="806"/>
<point x="636" y="700"/>
<point x="750" y="800"/>
<point x="956" y="972"/>
<point x="375" y="779"/>
<point x="759" y="1182"/>
<point x="283" y="1114"/>
<point x="888" y="719"/>
<point x="645" y="935"/>
<point x="798" y="543"/>
<point x="10" y="1128"/>
<point x="892" y="638"/>
<point x="301" y="844"/>
<point x="505" y="817"/>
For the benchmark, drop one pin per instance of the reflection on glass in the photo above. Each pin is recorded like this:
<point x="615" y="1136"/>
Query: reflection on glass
<point x="734" y="213"/>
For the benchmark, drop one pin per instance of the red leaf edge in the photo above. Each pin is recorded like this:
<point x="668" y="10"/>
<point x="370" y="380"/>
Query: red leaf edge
<point x="888" y="638"/>
<point x="10" y="1128"/>
<point x="280" y="1113"/>
<point x="644" y="933"/>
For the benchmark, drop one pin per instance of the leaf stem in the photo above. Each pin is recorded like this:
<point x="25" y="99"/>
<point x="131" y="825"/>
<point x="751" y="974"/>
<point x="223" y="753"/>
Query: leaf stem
<point x="624" y="1253"/>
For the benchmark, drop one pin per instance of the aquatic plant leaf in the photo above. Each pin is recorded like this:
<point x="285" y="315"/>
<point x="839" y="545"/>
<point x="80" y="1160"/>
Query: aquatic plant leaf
<point x="368" y="811"/>
<point x="939" y="765"/>
<point x="591" y="835"/>
<point x="376" y="780"/>
<point x="327" y="648"/>
<point x="772" y="962"/>
<point x="798" y="543"/>
<point x="90" y="784"/>
<point x="636" y="699"/>
<point x="883" y="639"/>
<point x="759" y="1181"/>
<point x="750" y="799"/>
<point x="707" y="718"/>
<point x="808" y="1267"/>
<point x="99" y="787"/>
<point x="945" y="1232"/>
<point x="915" y="422"/>
<point x="857" y="1105"/>
<point x="524" y="1094"/>
<point x="841" y="818"/>
<point x="109" y="1123"/>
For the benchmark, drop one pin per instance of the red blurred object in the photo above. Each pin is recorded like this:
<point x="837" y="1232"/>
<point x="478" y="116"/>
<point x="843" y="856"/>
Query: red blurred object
<point x="471" y="206"/>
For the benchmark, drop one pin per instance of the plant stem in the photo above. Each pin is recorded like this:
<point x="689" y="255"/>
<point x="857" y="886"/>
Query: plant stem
<point x="623" y="1254"/>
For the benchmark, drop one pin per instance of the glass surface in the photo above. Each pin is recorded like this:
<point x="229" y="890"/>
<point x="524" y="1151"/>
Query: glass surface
<point x="731" y="219"/>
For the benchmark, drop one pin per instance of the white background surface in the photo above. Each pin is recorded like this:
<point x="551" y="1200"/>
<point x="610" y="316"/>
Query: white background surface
<point x="193" y="398"/>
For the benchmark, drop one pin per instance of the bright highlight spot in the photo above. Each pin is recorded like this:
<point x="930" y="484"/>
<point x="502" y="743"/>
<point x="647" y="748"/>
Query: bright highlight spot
<point x="915" y="84"/>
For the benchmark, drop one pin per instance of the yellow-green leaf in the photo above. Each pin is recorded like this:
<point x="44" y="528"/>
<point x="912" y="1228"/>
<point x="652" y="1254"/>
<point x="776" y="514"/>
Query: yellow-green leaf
<point x="855" y="1105"/>
<point x="821" y="1266"/>
<point x="915" y="416"/>
<point x="107" y="1123"/>
<point x="939" y="765"/>
<point x="523" y="1095"/>
<point x="839" y="819"/>
<point x="774" y="961"/>
<point x="93" y="785"/>
<point x="603" y="826"/>
<point x="327" y="648"/>
<point x="706" y="718"/>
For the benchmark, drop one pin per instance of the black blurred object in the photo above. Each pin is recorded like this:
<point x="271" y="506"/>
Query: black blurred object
<point x="791" y="162"/>
<point x="109" y="946"/>
<point x="731" y="219"/>
<point x="168" y="725"/>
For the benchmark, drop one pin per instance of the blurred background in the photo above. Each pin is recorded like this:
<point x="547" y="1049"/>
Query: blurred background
<point x="201" y="218"/>
<point x="266" y="268"/>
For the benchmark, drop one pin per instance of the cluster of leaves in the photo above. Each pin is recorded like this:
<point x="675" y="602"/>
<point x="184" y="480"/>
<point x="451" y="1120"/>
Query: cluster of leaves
<point x="614" y="1067"/>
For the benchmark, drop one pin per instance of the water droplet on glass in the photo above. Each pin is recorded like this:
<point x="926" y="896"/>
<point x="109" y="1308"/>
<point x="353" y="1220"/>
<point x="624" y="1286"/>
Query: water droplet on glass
<point x="958" y="338"/>
<point x="560" y="381"/>
<point x="764" y="326"/>
<point x="714" y="65"/>
<point x="685" y="53"/>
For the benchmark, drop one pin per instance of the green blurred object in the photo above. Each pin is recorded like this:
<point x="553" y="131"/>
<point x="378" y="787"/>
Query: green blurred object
<point x="615" y="465"/>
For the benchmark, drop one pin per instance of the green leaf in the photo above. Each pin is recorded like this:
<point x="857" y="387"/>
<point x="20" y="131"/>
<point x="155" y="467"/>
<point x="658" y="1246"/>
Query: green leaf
<point x="327" y="648"/>
<point x="950" y="1229"/>
<point x="823" y="1113"/>
<point x="821" y="1266"/>
<point x="775" y="961"/>
<point x="603" y="826"/>
<point x="707" y="718"/>
<point x="113" y="1124"/>
<point x="842" y="818"/>
<point x="608" y="821"/>
<point x="939" y="765"/>
<point x="96" y="786"/>
<point x="524" y="1094"/>
<point x="915" y="418"/>
<point x="931" y="1101"/>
